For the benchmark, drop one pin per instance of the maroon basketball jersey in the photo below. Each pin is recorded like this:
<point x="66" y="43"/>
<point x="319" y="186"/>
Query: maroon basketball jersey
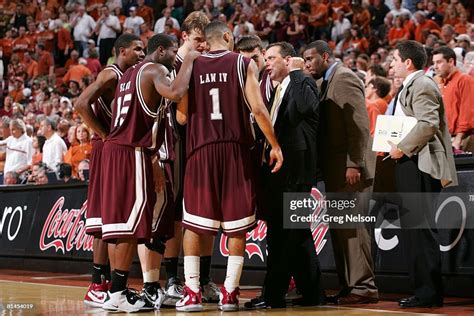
<point x="101" y="107"/>
<point x="167" y="152"/>
<point x="218" y="110"/>
<point x="133" y="123"/>
<point x="266" y="88"/>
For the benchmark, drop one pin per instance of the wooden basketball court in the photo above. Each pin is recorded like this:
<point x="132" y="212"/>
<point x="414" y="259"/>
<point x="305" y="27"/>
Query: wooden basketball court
<point x="40" y="293"/>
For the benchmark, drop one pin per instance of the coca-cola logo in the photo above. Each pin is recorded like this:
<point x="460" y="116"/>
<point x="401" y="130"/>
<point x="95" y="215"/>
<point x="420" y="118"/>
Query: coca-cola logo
<point x="254" y="242"/>
<point x="65" y="229"/>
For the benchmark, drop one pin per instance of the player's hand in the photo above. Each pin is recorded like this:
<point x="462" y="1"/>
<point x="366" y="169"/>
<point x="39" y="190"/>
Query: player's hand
<point x="193" y="54"/>
<point x="352" y="175"/>
<point x="158" y="176"/>
<point x="276" y="157"/>
<point x="296" y="63"/>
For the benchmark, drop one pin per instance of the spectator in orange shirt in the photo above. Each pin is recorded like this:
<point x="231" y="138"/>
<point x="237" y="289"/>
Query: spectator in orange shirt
<point x="398" y="32"/>
<point x="31" y="67"/>
<point x="458" y="92"/>
<point x="65" y="43"/>
<point x="77" y="72"/>
<point x="93" y="63"/>
<point x="448" y="34"/>
<point x="318" y="19"/>
<point x="6" y="46"/>
<point x="17" y="93"/>
<point x="358" y="40"/>
<point x="463" y="26"/>
<point x="451" y="15"/>
<point x="375" y="93"/>
<point x="45" y="62"/>
<point x="145" y="33"/>
<point x="145" y="12"/>
<point x="73" y="60"/>
<point x="423" y="26"/>
<point x="82" y="150"/>
<point x="46" y="37"/>
<point x="361" y="17"/>
<point x="21" y="44"/>
<point x="32" y="35"/>
<point x="30" y="8"/>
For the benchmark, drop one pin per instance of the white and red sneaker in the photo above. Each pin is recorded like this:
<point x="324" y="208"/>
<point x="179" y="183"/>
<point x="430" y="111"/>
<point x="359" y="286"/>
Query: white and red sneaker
<point x="229" y="302"/>
<point x="96" y="294"/>
<point x="191" y="301"/>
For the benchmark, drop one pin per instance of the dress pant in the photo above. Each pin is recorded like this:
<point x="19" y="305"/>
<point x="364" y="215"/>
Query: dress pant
<point x="421" y="245"/>
<point x="352" y="246"/>
<point x="291" y="252"/>
<point x="105" y="49"/>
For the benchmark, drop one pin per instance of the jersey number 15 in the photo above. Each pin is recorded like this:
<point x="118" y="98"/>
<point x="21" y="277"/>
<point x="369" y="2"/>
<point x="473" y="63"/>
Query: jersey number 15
<point x="122" y="109"/>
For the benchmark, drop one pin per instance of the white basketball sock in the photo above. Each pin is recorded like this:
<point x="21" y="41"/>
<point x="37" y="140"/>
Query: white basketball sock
<point x="191" y="272"/>
<point x="151" y="276"/>
<point x="234" y="270"/>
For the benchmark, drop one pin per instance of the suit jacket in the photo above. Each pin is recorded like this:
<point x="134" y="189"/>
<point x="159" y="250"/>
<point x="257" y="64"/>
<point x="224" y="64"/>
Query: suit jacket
<point x="296" y="129"/>
<point x="344" y="129"/>
<point x="430" y="137"/>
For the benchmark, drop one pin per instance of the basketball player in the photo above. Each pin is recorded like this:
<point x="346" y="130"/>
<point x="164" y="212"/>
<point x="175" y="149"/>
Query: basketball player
<point x="137" y="131"/>
<point x="219" y="165"/>
<point x="251" y="46"/>
<point x="193" y="39"/>
<point x="93" y="105"/>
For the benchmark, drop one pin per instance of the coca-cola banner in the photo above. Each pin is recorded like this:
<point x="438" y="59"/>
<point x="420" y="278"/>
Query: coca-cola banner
<point x="46" y="221"/>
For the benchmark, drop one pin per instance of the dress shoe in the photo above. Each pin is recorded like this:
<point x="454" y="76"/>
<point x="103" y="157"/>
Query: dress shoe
<point x="332" y="299"/>
<point x="256" y="303"/>
<point x="415" y="302"/>
<point x="353" y="299"/>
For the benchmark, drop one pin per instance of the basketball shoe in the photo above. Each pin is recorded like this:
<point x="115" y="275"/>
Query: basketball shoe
<point x="96" y="294"/>
<point x="228" y="302"/>
<point x="126" y="301"/>
<point x="210" y="292"/>
<point x="191" y="301"/>
<point x="173" y="291"/>
<point x="153" y="295"/>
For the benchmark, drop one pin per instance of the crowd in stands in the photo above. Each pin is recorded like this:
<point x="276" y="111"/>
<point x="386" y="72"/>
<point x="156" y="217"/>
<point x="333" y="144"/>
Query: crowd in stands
<point x="50" y="50"/>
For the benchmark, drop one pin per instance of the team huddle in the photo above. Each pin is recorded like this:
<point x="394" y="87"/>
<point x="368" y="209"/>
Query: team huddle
<point x="175" y="142"/>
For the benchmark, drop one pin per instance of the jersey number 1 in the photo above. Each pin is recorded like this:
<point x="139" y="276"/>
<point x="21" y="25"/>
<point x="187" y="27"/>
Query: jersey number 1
<point x="122" y="109"/>
<point x="216" y="109"/>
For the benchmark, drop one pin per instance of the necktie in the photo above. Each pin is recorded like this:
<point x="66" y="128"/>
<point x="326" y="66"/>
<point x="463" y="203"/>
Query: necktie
<point x="324" y="86"/>
<point x="275" y="104"/>
<point x="273" y="115"/>
<point x="395" y="100"/>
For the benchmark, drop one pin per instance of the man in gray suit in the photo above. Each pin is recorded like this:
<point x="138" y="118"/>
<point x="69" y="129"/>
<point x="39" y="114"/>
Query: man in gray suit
<point x="425" y="164"/>
<point x="347" y="164"/>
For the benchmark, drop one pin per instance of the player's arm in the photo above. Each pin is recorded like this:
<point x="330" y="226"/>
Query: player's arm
<point x="90" y="95"/>
<point x="254" y="97"/>
<point x="182" y="110"/>
<point x="177" y="89"/>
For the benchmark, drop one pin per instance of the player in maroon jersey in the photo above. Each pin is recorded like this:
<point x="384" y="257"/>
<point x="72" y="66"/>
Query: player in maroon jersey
<point x="218" y="185"/>
<point x="93" y="105"/>
<point x="192" y="31"/>
<point x="137" y="131"/>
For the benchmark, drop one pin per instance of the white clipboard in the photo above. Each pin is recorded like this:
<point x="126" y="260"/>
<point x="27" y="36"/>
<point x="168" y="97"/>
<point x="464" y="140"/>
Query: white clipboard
<point x="391" y="128"/>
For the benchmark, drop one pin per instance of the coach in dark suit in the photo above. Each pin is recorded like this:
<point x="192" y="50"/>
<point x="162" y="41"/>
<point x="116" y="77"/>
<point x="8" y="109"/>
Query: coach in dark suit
<point x="347" y="165"/>
<point x="294" y="114"/>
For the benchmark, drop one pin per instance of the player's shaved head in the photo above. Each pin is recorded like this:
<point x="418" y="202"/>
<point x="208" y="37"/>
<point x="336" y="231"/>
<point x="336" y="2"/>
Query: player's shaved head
<point x="158" y="40"/>
<point x="125" y="41"/>
<point x="215" y="30"/>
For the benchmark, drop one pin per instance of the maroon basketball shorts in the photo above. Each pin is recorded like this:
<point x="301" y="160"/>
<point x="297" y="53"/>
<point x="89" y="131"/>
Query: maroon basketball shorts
<point x="93" y="214"/>
<point x="219" y="190"/>
<point x="129" y="196"/>
<point x="164" y="213"/>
